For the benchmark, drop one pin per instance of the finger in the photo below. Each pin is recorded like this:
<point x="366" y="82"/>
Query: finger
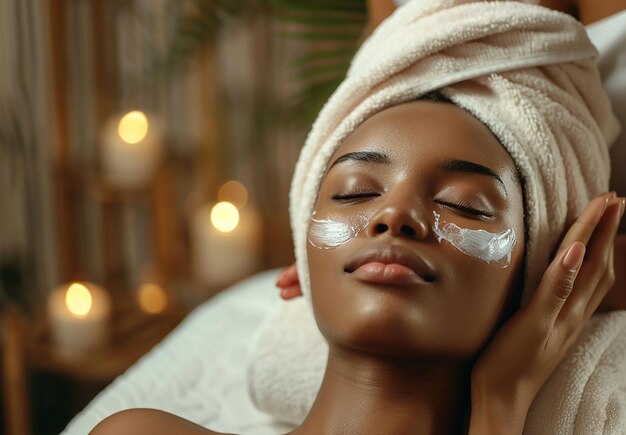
<point x="292" y="292"/>
<point x="582" y="228"/>
<point x="287" y="277"/>
<point x="597" y="259"/>
<point x="606" y="283"/>
<point x="556" y="285"/>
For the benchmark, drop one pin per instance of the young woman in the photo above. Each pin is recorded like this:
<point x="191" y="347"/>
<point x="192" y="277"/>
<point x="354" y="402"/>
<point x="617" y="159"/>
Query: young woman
<point x="408" y="317"/>
<point x="417" y="249"/>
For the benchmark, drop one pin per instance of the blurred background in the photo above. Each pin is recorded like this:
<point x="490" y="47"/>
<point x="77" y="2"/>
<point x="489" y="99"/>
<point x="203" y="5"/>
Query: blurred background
<point x="146" y="150"/>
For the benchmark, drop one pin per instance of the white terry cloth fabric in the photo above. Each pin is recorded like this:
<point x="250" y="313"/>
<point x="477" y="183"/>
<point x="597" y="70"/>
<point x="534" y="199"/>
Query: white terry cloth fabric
<point x="587" y="394"/>
<point x="525" y="71"/>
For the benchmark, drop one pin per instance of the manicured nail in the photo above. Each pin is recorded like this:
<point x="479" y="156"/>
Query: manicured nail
<point x="574" y="257"/>
<point x="622" y="207"/>
<point x="605" y="204"/>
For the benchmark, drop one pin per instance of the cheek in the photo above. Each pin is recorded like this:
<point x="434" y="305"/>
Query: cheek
<point x="326" y="296"/>
<point x="480" y="293"/>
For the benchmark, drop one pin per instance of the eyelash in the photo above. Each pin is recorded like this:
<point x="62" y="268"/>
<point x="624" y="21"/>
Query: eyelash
<point x="465" y="208"/>
<point x="460" y="205"/>
<point x="355" y="195"/>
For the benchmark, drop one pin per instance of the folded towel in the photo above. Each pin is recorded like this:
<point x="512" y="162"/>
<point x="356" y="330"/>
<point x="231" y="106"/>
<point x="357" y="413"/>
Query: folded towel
<point x="528" y="73"/>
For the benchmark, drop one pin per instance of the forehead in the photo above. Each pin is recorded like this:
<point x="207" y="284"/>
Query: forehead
<point x="428" y="130"/>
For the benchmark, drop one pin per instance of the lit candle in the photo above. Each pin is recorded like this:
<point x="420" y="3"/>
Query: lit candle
<point x="130" y="149"/>
<point x="152" y="298"/>
<point x="79" y="314"/>
<point x="225" y="242"/>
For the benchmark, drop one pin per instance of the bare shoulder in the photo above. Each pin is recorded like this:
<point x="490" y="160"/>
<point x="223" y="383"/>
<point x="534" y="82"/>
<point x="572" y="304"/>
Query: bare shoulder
<point x="149" y="421"/>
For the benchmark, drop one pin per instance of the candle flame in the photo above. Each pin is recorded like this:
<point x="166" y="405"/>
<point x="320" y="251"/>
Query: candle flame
<point x="133" y="127"/>
<point x="78" y="300"/>
<point x="225" y="217"/>
<point x="152" y="298"/>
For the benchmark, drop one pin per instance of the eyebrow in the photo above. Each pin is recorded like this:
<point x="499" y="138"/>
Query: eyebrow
<point x="454" y="165"/>
<point x="364" y="156"/>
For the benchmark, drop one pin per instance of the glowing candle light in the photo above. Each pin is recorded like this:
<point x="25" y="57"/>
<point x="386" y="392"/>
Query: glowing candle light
<point x="130" y="149"/>
<point x="152" y="298"/>
<point x="133" y="127"/>
<point x="78" y="313"/>
<point x="224" y="217"/>
<point x="78" y="300"/>
<point x="225" y="239"/>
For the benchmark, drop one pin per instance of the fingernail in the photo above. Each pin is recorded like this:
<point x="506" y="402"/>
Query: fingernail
<point x="622" y="206"/>
<point x="605" y="204"/>
<point x="574" y="257"/>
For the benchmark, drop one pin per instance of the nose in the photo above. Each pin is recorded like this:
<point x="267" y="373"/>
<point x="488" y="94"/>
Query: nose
<point x="401" y="216"/>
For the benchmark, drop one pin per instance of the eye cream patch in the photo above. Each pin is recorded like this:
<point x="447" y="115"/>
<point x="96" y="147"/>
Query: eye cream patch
<point x="333" y="232"/>
<point x="486" y="246"/>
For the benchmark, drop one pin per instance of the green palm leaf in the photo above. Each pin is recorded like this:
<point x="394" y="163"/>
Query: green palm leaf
<point x="329" y="29"/>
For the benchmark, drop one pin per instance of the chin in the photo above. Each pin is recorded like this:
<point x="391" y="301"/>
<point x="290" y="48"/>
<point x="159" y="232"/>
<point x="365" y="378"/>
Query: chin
<point x="377" y="328"/>
<point x="381" y="330"/>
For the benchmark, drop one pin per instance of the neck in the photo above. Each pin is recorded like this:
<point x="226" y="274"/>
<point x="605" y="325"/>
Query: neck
<point x="371" y="394"/>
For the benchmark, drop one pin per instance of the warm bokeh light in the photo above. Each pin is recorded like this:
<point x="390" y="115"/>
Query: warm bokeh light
<point x="133" y="127"/>
<point x="224" y="217"/>
<point x="233" y="192"/>
<point x="78" y="300"/>
<point x="152" y="298"/>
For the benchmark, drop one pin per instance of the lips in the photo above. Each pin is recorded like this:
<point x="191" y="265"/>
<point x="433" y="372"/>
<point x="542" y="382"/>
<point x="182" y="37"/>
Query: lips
<point x="390" y="265"/>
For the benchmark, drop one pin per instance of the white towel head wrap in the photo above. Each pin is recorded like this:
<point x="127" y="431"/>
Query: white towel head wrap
<point x="527" y="72"/>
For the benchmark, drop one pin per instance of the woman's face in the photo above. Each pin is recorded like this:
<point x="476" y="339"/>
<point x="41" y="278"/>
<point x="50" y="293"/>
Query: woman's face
<point x="409" y="239"/>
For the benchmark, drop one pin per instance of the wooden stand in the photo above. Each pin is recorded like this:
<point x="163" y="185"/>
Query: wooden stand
<point x="29" y="349"/>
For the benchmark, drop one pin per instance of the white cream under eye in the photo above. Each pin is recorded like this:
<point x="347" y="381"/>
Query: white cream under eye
<point x="334" y="231"/>
<point x="490" y="247"/>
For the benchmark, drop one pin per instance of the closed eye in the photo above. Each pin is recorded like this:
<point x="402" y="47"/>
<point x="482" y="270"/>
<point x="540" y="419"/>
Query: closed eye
<point x="354" y="195"/>
<point x="465" y="208"/>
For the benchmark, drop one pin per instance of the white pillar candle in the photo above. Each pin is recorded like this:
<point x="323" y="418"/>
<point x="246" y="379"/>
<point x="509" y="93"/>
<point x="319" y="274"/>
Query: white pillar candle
<point x="225" y="247"/>
<point x="79" y="318"/>
<point x="130" y="149"/>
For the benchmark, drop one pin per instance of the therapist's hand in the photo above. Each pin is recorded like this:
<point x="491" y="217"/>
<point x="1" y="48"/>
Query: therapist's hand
<point x="529" y="346"/>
